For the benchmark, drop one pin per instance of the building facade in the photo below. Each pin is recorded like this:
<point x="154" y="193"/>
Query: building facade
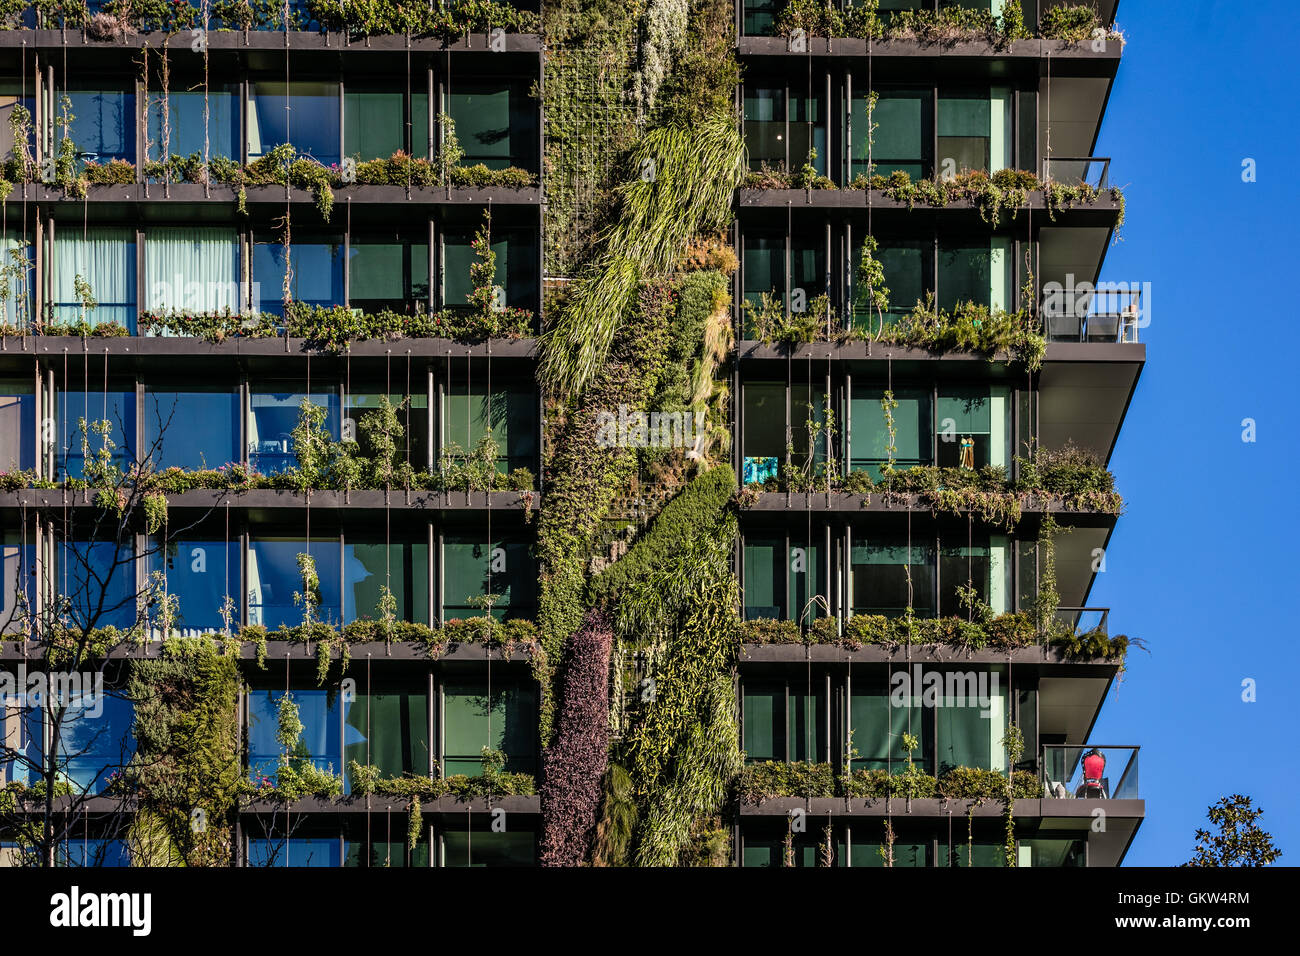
<point x="269" y="381"/>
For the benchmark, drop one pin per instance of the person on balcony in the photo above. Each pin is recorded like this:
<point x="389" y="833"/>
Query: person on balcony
<point x="1094" y="769"/>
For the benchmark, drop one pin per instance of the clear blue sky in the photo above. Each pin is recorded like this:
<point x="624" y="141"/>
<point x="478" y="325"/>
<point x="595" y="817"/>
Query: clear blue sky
<point x="1203" y="564"/>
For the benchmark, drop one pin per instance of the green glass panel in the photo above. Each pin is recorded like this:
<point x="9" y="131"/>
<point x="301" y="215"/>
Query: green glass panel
<point x="764" y="721"/>
<point x="762" y="578"/>
<point x="484" y="848"/>
<point x="374" y="124"/>
<point x="471" y="721"/>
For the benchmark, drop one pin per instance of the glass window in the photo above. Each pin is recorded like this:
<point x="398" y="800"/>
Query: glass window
<point x="496" y="123"/>
<point x="97" y="579"/>
<point x="970" y="725"/>
<point x="319" y="712"/>
<point x="17" y="265"/>
<point x="807" y="133"/>
<point x="402" y="565"/>
<point x="507" y="721"/>
<point x="95" y="740"/>
<point x="113" y="406"/>
<point x="295" y="851"/>
<point x="764" y="271"/>
<point x="12" y="94"/>
<point x="22" y="731"/>
<point x="186" y="131"/>
<point x="974" y="426"/>
<point x="194" y="269"/>
<point x="516" y="267"/>
<point x="201" y="573"/>
<point x="870" y="853"/>
<point x="386" y="853"/>
<point x="763" y="593"/>
<point x="374" y="122"/>
<point x="1054" y="851"/>
<point x="194" y="427"/>
<point x="508" y="411"/>
<point x="316" y="274"/>
<point x="485" y="848"/>
<point x="986" y="564"/>
<point x="906" y="264"/>
<point x="765" y="126"/>
<point x="869" y="429"/>
<point x="17" y="570"/>
<point x="784" y="721"/>
<point x="388" y="275"/>
<point x="413" y="446"/>
<point x="770" y="851"/>
<point x="473" y="568"/>
<point x="975" y="131"/>
<point x="387" y="729"/>
<point x="273" y="413"/>
<point x="808" y="276"/>
<point x="978" y="854"/>
<point x="806" y="582"/>
<point x="92" y="852"/>
<point x="885" y="574"/>
<point x="807" y="425"/>
<point x="274" y="578"/>
<point x="978" y="273"/>
<point x="101" y="124"/>
<point x="102" y="257"/>
<point x="302" y="112"/>
<point x="902" y="121"/>
<point x="1028" y="131"/>
<point x="17" y="424"/>
<point x="760" y="17"/>
<point x="763" y="438"/>
<point x="880" y="714"/>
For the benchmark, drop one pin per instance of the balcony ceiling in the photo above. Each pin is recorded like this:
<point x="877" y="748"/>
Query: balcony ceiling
<point x="1069" y="705"/>
<point x="1074" y="560"/>
<point x="1085" y="402"/>
<point x="1072" y="251"/>
<point x="1071" y="107"/>
<point x="1106" y="847"/>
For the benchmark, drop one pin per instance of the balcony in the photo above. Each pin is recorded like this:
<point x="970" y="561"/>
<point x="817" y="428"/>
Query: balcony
<point x="1104" y="313"/>
<point x="1084" y="620"/>
<point x="1093" y="170"/>
<point x="1087" y="772"/>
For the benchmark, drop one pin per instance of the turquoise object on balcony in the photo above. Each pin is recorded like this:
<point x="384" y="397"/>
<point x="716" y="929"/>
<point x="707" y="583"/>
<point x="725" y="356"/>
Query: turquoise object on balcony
<point x="759" y="469"/>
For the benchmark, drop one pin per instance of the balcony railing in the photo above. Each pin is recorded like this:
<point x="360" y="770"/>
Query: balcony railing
<point x="1084" y="313"/>
<point x="1088" y="772"/>
<point x="1084" y="620"/>
<point x="1093" y="170"/>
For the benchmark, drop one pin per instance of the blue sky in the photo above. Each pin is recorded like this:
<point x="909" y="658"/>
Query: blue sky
<point x="1202" y="564"/>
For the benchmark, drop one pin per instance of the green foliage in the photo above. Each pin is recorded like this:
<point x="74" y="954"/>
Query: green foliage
<point x="618" y="819"/>
<point x="1239" y="842"/>
<point x="1071" y="23"/>
<point x="761" y="781"/>
<point x="680" y="183"/>
<point x="185" y="772"/>
<point x="693" y="512"/>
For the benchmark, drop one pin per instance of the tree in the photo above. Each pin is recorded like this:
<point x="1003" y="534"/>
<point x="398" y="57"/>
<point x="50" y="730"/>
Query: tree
<point x="78" y="614"/>
<point x="1240" y="841"/>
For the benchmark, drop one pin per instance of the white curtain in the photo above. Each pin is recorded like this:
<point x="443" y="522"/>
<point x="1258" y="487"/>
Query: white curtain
<point x="191" y="269"/>
<point x="104" y="258"/>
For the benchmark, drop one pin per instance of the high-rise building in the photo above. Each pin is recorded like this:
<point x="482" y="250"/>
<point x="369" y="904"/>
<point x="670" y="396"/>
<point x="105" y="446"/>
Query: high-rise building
<point x="292" y="466"/>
